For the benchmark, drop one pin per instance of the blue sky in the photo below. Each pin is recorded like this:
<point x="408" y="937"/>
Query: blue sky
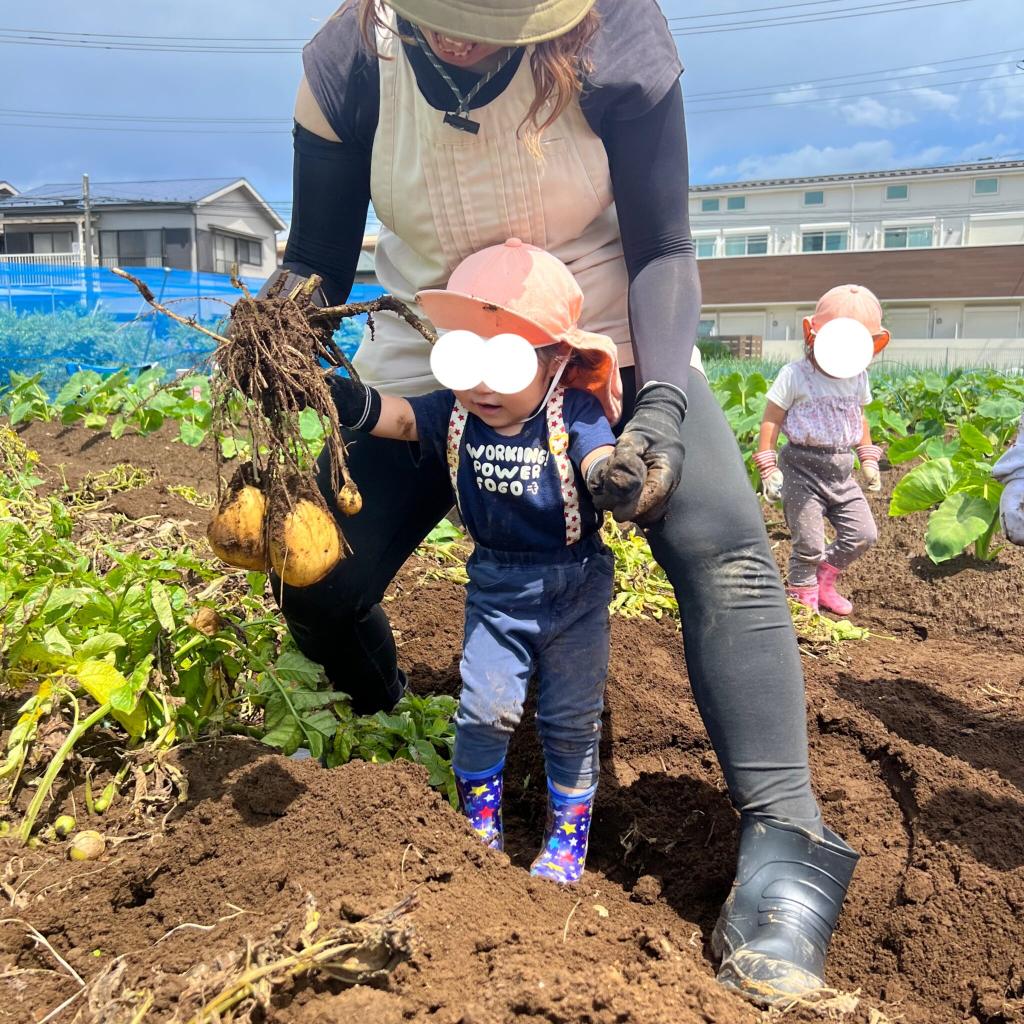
<point x="911" y="88"/>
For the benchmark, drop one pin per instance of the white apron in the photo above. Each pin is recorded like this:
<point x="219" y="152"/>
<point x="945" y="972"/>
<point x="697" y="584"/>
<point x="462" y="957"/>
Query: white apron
<point x="442" y="194"/>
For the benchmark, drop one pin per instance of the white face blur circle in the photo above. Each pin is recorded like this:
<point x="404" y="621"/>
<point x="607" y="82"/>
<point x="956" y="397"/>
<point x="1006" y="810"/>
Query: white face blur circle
<point x="843" y="347"/>
<point x="457" y="360"/>
<point x="510" y="364"/>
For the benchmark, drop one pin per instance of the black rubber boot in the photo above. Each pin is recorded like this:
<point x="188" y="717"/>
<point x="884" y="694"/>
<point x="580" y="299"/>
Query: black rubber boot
<point x="774" y="929"/>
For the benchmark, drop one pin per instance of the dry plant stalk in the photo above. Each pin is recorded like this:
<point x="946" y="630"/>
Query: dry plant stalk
<point x="273" y="357"/>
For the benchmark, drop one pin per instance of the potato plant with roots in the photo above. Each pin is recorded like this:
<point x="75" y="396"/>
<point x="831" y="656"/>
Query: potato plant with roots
<point x="272" y="515"/>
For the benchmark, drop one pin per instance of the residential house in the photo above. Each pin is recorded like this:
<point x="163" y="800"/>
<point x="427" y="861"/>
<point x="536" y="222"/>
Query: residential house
<point x="197" y="224"/>
<point x="942" y="247"/>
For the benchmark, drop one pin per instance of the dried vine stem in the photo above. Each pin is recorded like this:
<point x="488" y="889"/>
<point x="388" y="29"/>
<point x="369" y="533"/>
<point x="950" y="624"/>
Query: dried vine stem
<point x="386" y="303"/>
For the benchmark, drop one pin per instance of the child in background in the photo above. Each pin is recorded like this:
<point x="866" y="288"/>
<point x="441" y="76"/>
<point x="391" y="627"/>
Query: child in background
<point x="521" y="425"/>
<point x="821" y="414"/>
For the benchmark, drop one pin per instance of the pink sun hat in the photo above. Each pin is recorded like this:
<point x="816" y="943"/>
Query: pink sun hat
<point x="517" y="288"/>
<point x="854" y="302"/>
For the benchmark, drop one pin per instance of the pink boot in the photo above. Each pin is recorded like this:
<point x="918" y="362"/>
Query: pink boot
<point x="807" y="596"/>
<point x="830" y="598"/>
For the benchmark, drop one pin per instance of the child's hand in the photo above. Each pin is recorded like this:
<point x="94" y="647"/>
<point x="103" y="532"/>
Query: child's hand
<point x="869" y="454"/>
<point x="767" y="463"/>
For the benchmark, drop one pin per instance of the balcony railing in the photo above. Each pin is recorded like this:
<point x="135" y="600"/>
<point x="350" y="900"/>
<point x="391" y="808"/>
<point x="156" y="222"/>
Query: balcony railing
<point x="22" y="269"/>
<point x="131" y="261"/>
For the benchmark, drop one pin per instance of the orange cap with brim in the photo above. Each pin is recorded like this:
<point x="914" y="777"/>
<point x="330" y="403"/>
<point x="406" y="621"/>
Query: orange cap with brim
<point x="517" y="288"/>
<point x="854" y="302"/>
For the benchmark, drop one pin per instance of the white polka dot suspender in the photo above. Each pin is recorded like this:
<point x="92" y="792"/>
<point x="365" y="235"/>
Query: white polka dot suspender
<point x="558" y="445"/>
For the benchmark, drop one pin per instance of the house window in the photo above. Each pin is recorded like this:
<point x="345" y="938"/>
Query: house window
<point x="736" y="203"/>
<point x="229" y="250"/>
<point x="814" y="198"/>
<point x="142" y="248"/>
<point x="705" y="248"/>
<point x="893" y="192"/>
<point x="746" y="245"/>
<point x="26" y="243"/>
<point x="908" y="238"/>
<point x="706" y="329"/>
<point x="986" y="186"/>
<point x="709" y="206"/>
<point x="824" y="241"/>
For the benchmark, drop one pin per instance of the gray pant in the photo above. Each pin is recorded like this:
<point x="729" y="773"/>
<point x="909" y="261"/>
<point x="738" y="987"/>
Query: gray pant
<point x="817" y="485"/>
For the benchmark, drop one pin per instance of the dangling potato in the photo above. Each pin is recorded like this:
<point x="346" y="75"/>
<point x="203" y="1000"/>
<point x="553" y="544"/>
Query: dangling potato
<point x="305" y="541"/>
<point x="236" y="533"/>
<point x="350" y="501"/>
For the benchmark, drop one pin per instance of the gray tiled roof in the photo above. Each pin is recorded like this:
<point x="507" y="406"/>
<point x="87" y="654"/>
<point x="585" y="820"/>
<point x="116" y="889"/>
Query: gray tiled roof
<point x="104" y="193"/>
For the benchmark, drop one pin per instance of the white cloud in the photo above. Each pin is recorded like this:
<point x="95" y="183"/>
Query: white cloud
<point x="868" y="112"/>
<point x="1002" y="96"/>
<point x="796" y="94"/>
<point x="936" y="99"/>
<point x="809" y="161"/>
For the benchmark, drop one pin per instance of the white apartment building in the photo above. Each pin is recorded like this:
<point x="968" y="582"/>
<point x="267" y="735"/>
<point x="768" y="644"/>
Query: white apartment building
<point x="942" y="247"/>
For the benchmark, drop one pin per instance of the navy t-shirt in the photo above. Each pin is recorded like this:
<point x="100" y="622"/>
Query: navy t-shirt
<point x="510" y="497"/>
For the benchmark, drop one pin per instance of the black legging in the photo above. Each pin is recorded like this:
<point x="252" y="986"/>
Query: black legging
<point x="741" y="651"/>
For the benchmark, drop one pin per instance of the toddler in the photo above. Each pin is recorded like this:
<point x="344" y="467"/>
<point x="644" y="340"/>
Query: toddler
<point x="522" y="422"/>
<point x="817" y="402"/>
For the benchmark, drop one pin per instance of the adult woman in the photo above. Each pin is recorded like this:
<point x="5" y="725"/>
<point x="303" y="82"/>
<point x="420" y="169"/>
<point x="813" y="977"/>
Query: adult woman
<point x="561" y="122"/>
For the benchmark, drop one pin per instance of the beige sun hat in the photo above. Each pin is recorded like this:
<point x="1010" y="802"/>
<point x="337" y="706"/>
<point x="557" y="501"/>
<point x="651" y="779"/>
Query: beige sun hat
<point x="498" y="22"/>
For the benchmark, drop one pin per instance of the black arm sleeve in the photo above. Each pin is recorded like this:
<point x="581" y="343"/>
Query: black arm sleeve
<point x="330" y="196"/>
<point x="648" y="161"/>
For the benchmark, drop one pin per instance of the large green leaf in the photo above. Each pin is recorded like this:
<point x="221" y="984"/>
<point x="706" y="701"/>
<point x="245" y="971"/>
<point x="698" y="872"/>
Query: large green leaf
<point x="971" y="437"/>
<point x="959" y="521"/>
<point x="905" y="448"/>
<point x="923" y="487"/>
<point x="1003" y="409"/>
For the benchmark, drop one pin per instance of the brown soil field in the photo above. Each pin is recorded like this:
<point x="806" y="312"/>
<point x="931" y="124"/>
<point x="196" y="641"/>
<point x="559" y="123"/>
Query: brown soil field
<point x="917" y="749"/>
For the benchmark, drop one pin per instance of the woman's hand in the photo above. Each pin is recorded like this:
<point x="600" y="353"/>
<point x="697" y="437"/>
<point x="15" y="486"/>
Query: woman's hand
<point x="637" y="480"/>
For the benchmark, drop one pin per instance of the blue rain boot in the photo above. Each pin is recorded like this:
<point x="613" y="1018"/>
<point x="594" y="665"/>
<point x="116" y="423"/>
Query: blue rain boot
<point x="566" y="834"/>
<point x="480" y="801"/>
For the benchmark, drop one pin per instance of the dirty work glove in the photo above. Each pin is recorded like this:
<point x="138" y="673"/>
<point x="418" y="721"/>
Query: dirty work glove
<point x="358" y="405"/>
<point x="767" y="464"/>
<point x="869" y="454"/>
<point x="635" y="482"/>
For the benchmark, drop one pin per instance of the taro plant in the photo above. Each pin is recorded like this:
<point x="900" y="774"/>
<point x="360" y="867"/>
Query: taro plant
<point x="955" y="479"/>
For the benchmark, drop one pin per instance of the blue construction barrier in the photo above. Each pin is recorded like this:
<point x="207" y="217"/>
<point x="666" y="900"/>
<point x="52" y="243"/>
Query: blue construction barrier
<point x="54" y="319"/>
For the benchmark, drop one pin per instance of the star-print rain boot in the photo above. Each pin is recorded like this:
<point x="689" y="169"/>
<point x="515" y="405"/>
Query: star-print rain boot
<point x="564" y="853"/>
<point x="828" y="597"/>
<point x="480" y="801"/>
